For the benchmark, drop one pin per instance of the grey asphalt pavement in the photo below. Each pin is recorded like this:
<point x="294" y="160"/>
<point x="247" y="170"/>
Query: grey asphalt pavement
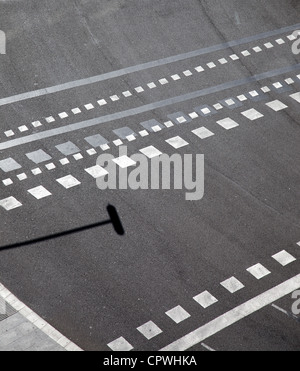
<point x="77" y="69"/>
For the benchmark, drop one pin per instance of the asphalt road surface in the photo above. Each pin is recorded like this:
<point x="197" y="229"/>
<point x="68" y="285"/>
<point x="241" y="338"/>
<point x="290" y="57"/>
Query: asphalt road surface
<point x="212" y="274"/>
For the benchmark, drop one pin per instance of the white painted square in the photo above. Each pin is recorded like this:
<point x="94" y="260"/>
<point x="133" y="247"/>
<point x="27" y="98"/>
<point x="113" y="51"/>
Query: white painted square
<point x="10" y="203"/>
<point x="269" y="45"/>
<point x="258" y="271"/>
<point x="63" y="115"/>
<point x="168" y="124"/>
<point x="298" y="243"/>
<point x="68" y="181"/>
<point x="252" y="114"/>
<point x="292" y="37"/>
<point x="254" y="93"/>
<point x="9" y="133"/>
<point x="7" y="182"/>
<point x="39" y="192"/>
<point x="76" y="111"/>
<point x="114" y="98"/>
<point x="187" y="73"/>
<point x="193" y="115"/>
<point x="105" y="147"/>
<point x="78" y="156"/>
<point x="127" y="94"/>
<point x="23" y="128"/>
<point x="89" y="107"/>
<point x="149" y="330"/>
<point x="206" y="111"/>
<point x="36" y="171"/>
<point x="124" y="162"/>
<point x="223" y="61"/>
<point x="232" y="285"/>
<point x="102" y="102"/>
<point x="139" y="89"/>
<point x="228" y="123"/>
<point x="120" y="345"/>
<point x="176" y="77"/>
<point x="280" y="41"/>
<point x="234" y="57"/>
<point x="131" y="138"/>
<point x="289" y="81"/>
<point x="181" y="120"/>
<point x="218" y="106"/>
<point x="36" y="124"/>
<point x="178" y="314"/>
<point x="257" y="49"/>
<point x="96" y="171"/>
<point x="163" y="81"/>
<point x="199" y="69"/>
<point x="276" y="105"/>
<point x="50" y="166"/>
<point x="152" y="85"/>
<point x="242" y="98"/>
<point x="143" y="133"/>
<point x="177" y="142"/>
<point x="266" y="89"/>
<point x="64" y="161"/>
<point x="246" y="53"/>
<point x="284" y="258"/>
<point x="230" y="102"/>
<point x="156" y="128"/>
<point x="296" y="97"/>
<point x="50" y="119"/>
<point x="22" y="176"/>
<point x="205" y="299"/>
<point x="91" y="152"/>
<point x="211" y="65"/>
<point x="277" y="85"/>
<point x="150" y="152"/>
<point x="117" y="142"/>
<point x="203" y="133"/>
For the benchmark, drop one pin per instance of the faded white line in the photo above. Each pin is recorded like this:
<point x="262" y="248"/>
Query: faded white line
<point x="235" y="315"/>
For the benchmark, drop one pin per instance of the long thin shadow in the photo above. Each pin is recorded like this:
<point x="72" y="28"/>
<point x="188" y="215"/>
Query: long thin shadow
<point x="114" y="220"/>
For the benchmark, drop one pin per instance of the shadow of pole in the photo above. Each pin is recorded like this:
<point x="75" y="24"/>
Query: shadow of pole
<point x="114" y="219"/>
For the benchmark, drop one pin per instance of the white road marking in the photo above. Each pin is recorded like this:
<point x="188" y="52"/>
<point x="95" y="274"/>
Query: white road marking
<point x="96" y="171"/>
<point x="10" y="203"/>
<point x="284" y="258"/>
<point x="298" y="243"/>
<point x="211" y="65"/>
<point x="199" y="69"/>
<point x="246" y="53"/>
<point x="276" y="105"/>
<point x="50" y="119"/>
<point x="91" y="152"/>
<point x="257" y="49"/>
<point x="105" y="147"/>
<point x="187" y="73"/>
<point x="151" y="85"/>
<point x="258" y="271"/>
<point x="265" y="89"/>
<point x="22" y="176"/>
<point x="205" y="299"/>
<point x="76" y="111"/>
<point x="36" y="171"/>
<point x="296" y="97"/>
<point x="269" y="45"/>
<point x="207" y="347"/>
<point x="139" y="89"/>
<point x="39" y="192"/>
<point x="124" y="162"/>
<point x="292" y="37"/>
<point x="206" y="111"/>
<point x="277" y="85"/>
<point x="63" y="115"/>
<point x="218" y="106"/>
<point x="232" y="285"/>
<point x="7" y="182"/>
<point x="203" y="133"/>
<point x="102" y="102"/>
<point x="131" y="138"/>
<point x="23" y="128"/>
<point x="50" y="166"/>
<point x="290" y="315"/>
<point x="127" y="94"/>
<point x="181" y="120"/>
<point x="9" y="133"/>
<point x="280" y="41"/>
<point x="176" y="77"/>
<point x="178" y="314"/>
<point x="235" y="315"/>
<point x="252" y="114"/>
<point x="114" y="98"/>
<point x="150" y="152"/>
<point x="89" y="107"/>
<point x="168" y="124"/>
<point x="254" y="93"/>
<point x="156" y="128"/>
<point x="177" y="142"/>
<point x="228" y="123"/>
<point x="234" y="57"/>
<point x="289" y="81"/>
<point x="36" y="124"/>
<point x="143" y="133"/>
<point x="68" y="181"/>
<point x="64" y="161"/>
<point x="223" y="61"/>
<point x="117" y="142"/>
<point x="120" y="345"/>
<point x="78" y="156"/>
<point x="163" y="81"/>
<point x="149" y="330"/>
<point x="242" y="98"/>
<point x="193" y="115"/>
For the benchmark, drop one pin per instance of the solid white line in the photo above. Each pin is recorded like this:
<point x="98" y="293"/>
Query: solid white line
<point x="234" y="315"/>
<point x="207" y="347"/>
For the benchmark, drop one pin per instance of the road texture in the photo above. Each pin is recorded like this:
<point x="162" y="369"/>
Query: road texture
<point x="82" y="77"/>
